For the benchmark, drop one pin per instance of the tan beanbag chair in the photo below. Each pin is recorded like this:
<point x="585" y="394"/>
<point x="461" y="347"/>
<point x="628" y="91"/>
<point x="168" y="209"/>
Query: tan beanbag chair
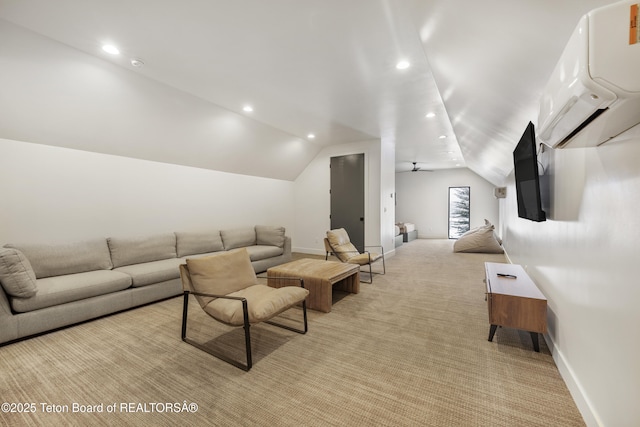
<point x="479" y="240"/>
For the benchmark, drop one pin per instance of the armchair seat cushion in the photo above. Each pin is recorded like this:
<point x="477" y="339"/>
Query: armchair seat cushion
<point x="363" y="259"/>
<point x="263" y="303"/>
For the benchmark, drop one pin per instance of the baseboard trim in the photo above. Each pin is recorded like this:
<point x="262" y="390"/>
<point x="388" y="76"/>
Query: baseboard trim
<point x="310" y="251"/>
<point x="580" y="398"/>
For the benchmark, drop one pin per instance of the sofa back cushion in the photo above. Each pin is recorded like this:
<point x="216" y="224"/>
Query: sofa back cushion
<point x="66" y="258"/>
<point x="135" y="250"/>
<point x="270" y="235"/>
<point x="192" y="243"/>
<point x="16" y="275"/>
<point x="238" y="237"/>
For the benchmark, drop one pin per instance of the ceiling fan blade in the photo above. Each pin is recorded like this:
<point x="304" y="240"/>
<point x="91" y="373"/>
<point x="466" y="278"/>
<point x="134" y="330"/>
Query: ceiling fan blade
<point x="415" y="168"/>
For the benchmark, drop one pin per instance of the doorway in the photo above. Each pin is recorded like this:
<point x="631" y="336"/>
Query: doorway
<point x="347" y="196"/>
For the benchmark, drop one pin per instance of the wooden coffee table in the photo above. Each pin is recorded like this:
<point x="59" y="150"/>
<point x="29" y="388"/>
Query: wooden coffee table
<point x="319" y="278"/>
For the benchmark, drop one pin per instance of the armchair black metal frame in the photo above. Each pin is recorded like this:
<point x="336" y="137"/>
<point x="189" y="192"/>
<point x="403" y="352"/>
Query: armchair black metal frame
<point x="330" y="251"/>
<point x="246" y="326"/>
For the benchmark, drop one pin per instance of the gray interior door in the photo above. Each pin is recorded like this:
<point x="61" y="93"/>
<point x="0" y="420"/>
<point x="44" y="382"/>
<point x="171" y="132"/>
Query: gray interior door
<point x="347" y="196"/>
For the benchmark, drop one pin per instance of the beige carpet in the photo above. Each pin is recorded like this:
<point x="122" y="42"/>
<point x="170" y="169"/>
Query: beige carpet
<point x="409" y="350"/>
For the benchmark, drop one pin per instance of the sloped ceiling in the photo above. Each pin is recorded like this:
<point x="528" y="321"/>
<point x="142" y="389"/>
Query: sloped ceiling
<point x="328" y="67"/>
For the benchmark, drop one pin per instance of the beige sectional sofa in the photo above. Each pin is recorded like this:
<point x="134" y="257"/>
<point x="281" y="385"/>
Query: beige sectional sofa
<point x="45" y="287"/>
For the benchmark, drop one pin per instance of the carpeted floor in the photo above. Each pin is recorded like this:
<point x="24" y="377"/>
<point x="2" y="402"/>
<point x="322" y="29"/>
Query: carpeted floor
<point x="409" y="350"/>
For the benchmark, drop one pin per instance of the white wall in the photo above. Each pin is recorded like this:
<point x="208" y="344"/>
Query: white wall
<point x="313" y="203"/>
<point x="55" y="95"/>
<point x="585" y="260"/>
<point x="53" y="194"/>
<point x="60" y="97"/>
<point x="423" y="199"/>
<point x="387" y="195"/>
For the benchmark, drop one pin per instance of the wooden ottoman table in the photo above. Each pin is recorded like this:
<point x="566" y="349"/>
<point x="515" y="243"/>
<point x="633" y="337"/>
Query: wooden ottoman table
<point x="319" y="278"/>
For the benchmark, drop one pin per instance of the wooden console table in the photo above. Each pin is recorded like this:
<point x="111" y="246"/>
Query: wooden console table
<point x="514" y="301"/>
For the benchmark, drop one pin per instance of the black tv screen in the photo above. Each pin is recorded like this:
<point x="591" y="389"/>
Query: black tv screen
<point x="525" y="162"/>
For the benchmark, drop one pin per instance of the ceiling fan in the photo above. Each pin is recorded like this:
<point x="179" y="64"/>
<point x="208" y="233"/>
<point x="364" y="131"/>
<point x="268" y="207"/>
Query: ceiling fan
<point x="416" y="168"/>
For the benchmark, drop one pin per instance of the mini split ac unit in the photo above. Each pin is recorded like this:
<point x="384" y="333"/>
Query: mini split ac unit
<point x="594" y="91"/>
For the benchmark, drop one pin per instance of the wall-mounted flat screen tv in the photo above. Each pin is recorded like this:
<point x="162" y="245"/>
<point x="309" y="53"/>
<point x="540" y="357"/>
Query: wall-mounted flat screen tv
<point x="525" y="162"/>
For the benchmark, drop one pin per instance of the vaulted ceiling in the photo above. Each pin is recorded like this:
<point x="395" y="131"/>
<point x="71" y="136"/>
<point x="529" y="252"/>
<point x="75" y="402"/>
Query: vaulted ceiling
<point x="328" y="67"/>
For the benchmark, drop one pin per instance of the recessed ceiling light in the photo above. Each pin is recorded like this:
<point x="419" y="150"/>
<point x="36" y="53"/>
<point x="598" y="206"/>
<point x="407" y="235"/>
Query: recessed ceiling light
<point x="137" y="62"/>
<point x="247" y="108"/>
<point x="430" y="115"/>
<point x="109" y="48"/>
<point x="442" y="136"/>
<point x="311" y="136"/>
<point x="402" y="65"/>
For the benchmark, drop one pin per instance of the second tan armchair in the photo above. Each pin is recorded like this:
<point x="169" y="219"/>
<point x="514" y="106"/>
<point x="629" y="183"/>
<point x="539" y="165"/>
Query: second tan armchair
<point x="337" y="243"/>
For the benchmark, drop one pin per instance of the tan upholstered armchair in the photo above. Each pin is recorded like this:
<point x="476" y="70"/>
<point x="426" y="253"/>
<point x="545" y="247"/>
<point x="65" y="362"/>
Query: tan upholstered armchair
<point x="337" y="243"/>
<point x="226" y="287"/>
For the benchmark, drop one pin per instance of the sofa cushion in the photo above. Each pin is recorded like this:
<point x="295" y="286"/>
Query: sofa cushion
<point x="221" y="274"/>
<point x="16" y="275"/>
<point x="270" y="235"/>
<point x="258" y="252"/>
<point x="238" y="237"/>
<point x="148" y="273"/>
<point x="364" y="258"/>
<point x="136" y="250"/>
<point x="66" y="258"/>
<point x="191" y="243"/>
<point x="184" y="258"/>
<point x="72" y="287"/>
